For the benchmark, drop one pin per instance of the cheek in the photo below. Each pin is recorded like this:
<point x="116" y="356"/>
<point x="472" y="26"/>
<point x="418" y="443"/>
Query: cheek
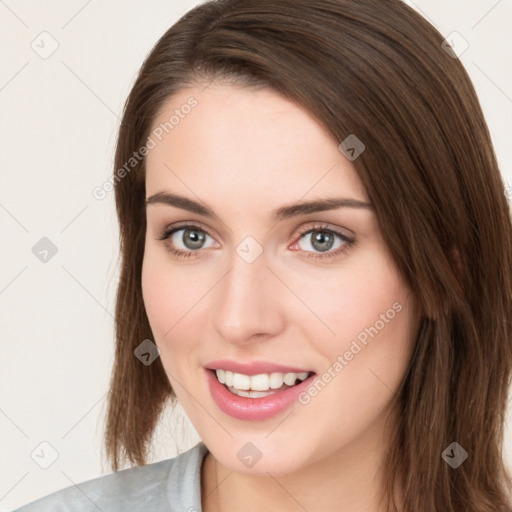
<point x="371" y="313"/>
<point x="169" y="295"/>
<point x="176" y="300"/>
<point x="375" y="324"/>
<point x="355" y="301"/>
<point x="369" y="375"/>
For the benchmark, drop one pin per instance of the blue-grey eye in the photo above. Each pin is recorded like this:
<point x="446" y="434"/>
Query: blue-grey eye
<point x="320" y="241"/>
<point x="189" y="238"/>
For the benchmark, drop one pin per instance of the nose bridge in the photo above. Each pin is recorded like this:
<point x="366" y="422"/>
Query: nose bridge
<point x="247" y="302"/>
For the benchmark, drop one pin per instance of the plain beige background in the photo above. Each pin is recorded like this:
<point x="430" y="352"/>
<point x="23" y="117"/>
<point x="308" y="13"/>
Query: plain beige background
<point x="59" y="117"/>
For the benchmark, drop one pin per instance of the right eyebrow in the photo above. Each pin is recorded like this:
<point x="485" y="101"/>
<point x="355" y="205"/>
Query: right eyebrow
<point x="180" y="202"/>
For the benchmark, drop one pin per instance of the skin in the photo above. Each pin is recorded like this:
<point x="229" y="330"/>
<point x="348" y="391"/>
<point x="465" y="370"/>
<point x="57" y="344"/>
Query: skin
<point x="244" y="152"/>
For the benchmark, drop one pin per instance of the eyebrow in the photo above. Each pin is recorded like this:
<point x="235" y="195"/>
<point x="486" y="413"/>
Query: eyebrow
<point x="284" y="212"/>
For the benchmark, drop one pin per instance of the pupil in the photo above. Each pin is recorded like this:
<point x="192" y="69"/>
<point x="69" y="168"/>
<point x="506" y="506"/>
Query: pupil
<point x="322" y="241"/>
<point x="193" y="239"/>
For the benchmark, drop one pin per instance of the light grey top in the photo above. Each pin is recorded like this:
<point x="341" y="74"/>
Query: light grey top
<point x="172" y="485"/>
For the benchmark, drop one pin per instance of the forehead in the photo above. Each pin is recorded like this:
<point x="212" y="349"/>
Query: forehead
<point x="242" y="143"/>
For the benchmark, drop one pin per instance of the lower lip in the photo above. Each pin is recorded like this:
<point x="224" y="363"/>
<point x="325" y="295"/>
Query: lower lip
<point x="253" y="409"/>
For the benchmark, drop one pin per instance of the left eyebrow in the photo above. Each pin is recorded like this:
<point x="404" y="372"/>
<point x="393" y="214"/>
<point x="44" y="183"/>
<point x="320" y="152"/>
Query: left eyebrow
<point x="319" y="205"/>
<point x="284" y="212"/>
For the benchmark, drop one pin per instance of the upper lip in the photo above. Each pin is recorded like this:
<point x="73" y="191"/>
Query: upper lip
<point x="253" y="367"/>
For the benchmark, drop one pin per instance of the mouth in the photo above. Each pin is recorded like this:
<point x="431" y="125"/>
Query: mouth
<point x="260" y="385"/>
<point x="255" y="391"/>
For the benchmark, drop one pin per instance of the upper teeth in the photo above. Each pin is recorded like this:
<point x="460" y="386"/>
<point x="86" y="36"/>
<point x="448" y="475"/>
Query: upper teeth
<point x="261" y="382"/>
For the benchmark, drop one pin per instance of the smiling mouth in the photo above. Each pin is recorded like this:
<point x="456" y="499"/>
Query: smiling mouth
<point x="261" y="385"/>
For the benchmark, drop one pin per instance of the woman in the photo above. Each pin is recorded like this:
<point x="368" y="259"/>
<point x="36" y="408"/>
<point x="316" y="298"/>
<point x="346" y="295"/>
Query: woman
<point x="317" y="255"/>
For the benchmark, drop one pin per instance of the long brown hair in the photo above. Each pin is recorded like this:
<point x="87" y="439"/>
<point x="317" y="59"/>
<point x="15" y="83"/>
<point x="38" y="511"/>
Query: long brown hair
<point x="375" y="69"/>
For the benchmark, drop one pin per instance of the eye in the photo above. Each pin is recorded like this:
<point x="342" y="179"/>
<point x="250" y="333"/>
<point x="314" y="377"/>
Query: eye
<point x="322" y="241"/>
<point x="186" y="239"/>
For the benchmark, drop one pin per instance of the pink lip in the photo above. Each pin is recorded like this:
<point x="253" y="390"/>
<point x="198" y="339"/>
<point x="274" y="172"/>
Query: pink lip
<point x="254" y="409"/>
<point x="254" y="368"/>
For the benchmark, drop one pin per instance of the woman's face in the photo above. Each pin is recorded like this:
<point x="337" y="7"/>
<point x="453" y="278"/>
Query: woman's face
<point x="264" y="287"/>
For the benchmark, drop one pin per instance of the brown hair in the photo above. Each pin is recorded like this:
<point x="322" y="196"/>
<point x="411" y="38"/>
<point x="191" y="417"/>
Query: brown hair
<point x="375" y="69"/>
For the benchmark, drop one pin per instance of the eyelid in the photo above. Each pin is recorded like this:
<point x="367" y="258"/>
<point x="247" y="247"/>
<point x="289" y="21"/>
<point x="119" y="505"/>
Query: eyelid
<point x="318" y="226"/>
<point x="171" y="228"/>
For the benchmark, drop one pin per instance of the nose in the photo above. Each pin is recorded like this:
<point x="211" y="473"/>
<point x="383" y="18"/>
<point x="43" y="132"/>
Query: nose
<point x="248" y="302"/>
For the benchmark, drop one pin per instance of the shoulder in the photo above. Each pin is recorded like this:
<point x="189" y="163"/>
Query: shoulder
<point x="168" y="485"/>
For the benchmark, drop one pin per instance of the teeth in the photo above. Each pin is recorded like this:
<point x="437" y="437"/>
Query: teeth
<point x="221" y="375"/>
<point x="252" y="394"/>
<point x="261" y="382"/>
<point x="276" y="380"/>
<point x="290" y="378"/>
<point x="241" y="381"/>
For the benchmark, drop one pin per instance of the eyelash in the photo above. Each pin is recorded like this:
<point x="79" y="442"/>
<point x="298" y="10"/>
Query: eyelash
<point x="347" y="241"/>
